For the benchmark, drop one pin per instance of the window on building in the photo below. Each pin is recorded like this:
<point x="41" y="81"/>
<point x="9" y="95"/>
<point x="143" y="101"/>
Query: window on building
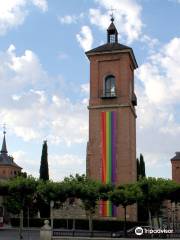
<point x="112" y="38"/>
<point x="109" y="90"/>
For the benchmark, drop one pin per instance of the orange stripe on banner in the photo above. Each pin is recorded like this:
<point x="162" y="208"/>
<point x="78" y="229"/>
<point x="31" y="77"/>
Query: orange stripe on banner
<point x="103" y="158"/>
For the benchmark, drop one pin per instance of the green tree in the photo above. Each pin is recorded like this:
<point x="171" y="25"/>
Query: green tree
<point x="21" y="192"/>
<point x="142" y="166"/>
<point x="125" y="195"/>
<point x="88" y="191"/>
<point x="138" y="169"/>
<point x="155" y="191"/>
<point x="141" y="208"/>
<point x="4" y="188"/>
<point x="44" y="170"/>
<point x="44" y="208"/>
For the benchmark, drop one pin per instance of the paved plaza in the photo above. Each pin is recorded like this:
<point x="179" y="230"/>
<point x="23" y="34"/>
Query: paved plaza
<point x="13" y="234"/>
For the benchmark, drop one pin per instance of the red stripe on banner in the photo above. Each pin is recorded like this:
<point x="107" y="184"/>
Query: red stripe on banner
<point x="105" y="159"/>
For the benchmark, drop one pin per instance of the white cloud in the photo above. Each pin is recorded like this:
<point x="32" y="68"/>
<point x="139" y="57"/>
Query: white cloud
<point x="85" y="88"/>
<point x="20" y="72"/>
<point x="32" y="109"/>
<point x="42" y="4"/>
<point x="69" y="19"/>
<point x="85" y="38"/>
<point x="31" y="166"/>
<point x="127" y="17"/>
<point x="151" y="42"/>
<point x="60" y="166"/>
<point x="158" y="123"/>
<point x="14" y="12"/>
<point x="160" y="76"/>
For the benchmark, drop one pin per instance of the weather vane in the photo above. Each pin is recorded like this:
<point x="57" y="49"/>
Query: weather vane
<point x="112" y="14"/>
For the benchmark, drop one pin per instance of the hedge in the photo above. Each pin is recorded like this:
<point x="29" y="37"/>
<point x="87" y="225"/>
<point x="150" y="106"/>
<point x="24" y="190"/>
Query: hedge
<point x="101" y="225"/>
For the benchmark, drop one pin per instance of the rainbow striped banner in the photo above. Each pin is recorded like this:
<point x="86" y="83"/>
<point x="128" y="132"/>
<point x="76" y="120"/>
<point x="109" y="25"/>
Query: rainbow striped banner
<point x="108" y="175"/>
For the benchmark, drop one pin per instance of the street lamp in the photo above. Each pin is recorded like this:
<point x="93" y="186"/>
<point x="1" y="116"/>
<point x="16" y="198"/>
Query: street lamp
<point x="51" y="206"/>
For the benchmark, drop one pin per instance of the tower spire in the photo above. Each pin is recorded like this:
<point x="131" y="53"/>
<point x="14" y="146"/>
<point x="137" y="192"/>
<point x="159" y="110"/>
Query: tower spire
<point x="112" y="34"/>
<point x="4" y="148"/>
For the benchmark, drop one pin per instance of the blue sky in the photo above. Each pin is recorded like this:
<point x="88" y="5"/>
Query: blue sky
<point x="44" y="77"/>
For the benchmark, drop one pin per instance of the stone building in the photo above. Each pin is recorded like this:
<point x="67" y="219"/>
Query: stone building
<point x="175" y="207"/>
<point x="8" y="169"/>
<point x="175" y="161"/>
<point x="111" y="148"/>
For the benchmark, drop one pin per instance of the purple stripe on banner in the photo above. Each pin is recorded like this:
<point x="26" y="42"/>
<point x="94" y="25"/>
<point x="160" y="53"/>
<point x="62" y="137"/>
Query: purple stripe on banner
<point x="114" y="211"/>
<point x="113" y="147"/>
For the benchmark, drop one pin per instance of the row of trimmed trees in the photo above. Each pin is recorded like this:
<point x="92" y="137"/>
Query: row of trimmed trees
<point x="22" y="193"/>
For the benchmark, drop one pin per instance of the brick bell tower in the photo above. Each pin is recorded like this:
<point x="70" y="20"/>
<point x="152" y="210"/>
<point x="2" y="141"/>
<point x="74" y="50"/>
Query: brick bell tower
<point x="175" y="161"/>
<point x="111" y="149"/>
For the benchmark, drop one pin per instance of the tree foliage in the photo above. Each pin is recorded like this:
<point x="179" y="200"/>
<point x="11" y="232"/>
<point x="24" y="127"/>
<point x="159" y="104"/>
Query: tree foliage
<point x="126" y="195"/>
<point x="155" y="191"/>
<point x="142" y="166"/>
<point x="44" y="169"/>
<point x="138" y="168"/>
<point x="21" y="192"/>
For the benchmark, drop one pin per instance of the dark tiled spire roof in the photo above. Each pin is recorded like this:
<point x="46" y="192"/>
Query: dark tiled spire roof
<point x="4" y="148"/>
<point x="5" y="159"/>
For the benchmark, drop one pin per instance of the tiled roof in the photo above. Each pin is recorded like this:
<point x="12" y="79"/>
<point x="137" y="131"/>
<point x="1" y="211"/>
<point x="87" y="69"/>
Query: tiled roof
<point x="5" y="159"/>
<point x="113" y="47"/>
<point x="176" y="157"/>
<point x="108" y="47"/>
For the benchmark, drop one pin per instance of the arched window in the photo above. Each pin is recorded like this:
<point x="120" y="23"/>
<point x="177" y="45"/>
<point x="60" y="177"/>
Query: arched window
<point x="109" y="90"/>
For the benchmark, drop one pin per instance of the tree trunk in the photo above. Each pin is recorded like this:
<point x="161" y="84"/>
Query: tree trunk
<point x="158" y="220"/>
<point x="74" y="224"/>
<point x="21" y="225"/>
<point x="150" y="218"/>
<point x="125" y="228"/>
<point x="67" y="224"/>
<point x="90" y="222"/>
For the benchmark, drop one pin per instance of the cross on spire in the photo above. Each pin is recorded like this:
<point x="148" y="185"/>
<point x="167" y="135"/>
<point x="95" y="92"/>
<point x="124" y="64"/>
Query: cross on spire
<point x="112" y="14"/>
<point x="112" y="34"/>
<point x="4" y="128"/>
<point x="4" y="148"/>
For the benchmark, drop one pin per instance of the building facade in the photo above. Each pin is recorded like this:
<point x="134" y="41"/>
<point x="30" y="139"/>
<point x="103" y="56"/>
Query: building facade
<point x="175" y="207"/>
<point x="8" y="169"/>
<point x="111" y="149"/>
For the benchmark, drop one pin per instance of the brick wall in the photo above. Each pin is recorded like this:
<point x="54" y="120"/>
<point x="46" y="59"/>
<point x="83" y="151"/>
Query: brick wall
<point x="119" y="65"/>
